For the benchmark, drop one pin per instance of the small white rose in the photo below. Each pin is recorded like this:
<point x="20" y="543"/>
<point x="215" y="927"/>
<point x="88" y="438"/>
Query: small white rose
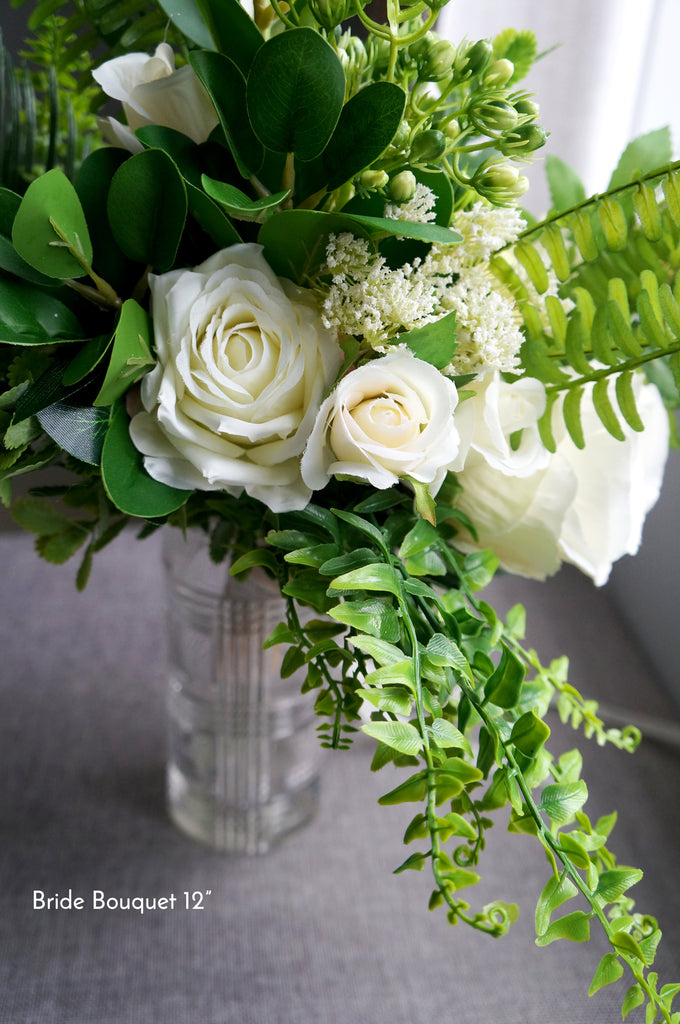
<point x="389" y="419"/>
<point x="585" y="506"/>
<point x="152" y="91"/>
<point x="243" y="365"/>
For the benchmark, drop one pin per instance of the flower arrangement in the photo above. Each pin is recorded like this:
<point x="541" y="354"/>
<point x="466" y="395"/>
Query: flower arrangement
<point x="295" y="303"/>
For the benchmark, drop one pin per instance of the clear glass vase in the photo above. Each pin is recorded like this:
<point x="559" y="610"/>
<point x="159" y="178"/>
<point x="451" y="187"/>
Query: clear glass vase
<point x="243" y="757"/>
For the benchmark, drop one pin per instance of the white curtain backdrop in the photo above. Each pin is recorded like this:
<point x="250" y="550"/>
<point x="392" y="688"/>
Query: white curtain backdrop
<point x="614" y="75"/>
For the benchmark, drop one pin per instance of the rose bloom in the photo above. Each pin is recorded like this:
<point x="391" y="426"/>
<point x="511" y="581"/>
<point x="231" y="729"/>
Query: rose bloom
<point x="152" y="91"/>
<point x="584" y="506"/>
<point x="243" y="365"/>
<point x="389" y="419"/>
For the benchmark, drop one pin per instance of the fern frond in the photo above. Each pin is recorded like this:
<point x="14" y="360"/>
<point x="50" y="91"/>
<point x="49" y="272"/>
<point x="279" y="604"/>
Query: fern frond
<point x="613" y="304"/>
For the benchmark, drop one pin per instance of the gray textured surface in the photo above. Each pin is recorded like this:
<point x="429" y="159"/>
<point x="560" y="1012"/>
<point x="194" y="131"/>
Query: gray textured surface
<point x="320" y="930"/>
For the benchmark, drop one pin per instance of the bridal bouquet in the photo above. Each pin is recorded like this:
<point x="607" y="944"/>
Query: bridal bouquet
<point x="294" y="302"/>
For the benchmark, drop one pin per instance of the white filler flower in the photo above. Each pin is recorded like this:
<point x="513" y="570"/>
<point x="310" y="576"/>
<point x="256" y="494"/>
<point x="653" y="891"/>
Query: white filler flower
<point x="152" y="91"/>
<point x="243" y="365"/>
<point x="389" y="419"/>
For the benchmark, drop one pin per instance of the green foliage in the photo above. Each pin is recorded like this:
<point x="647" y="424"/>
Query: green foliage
<point x="615" y="258"/>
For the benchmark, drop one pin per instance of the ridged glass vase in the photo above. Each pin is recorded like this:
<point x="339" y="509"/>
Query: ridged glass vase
<point x="243" y="755"/>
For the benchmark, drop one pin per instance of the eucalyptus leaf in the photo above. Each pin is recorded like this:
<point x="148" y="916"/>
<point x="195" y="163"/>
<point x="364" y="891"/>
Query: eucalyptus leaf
<point x="147" y="208"/>
<point x="295" y="93"/>
<point x="127" y="483"/>
<point x="50" y="231"/>
<point x="233" y="30"/>
<point x="238" y="203"/>
<point x="31" y="316"/>
<point x="295" y="240"/>
<point x="10" y="260"/>
<point x="131" y="354"/>
<point x="226" y="87"/>
<point x="187" y="17"/>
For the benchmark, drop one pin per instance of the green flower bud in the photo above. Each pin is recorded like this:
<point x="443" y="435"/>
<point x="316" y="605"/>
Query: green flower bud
<point x="500" y="73"/>
<point x="401" y="136"/>
<point x="373" y="179"/>
<point x="438" y="62"/>
<point x="477" y="57"/>
<point x="525" y="139"/>
<point x="329" y="13"/>
<point x="500" y="183"/>
<point x="418" y="51"/>
<point x="527" y="108"/>
<point x="402" y="187"/>
<point x="492" y="115"/>
<point x="427" y="145"/>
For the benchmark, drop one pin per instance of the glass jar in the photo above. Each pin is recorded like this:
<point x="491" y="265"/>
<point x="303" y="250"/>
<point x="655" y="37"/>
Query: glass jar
<point x="243" y="757"/>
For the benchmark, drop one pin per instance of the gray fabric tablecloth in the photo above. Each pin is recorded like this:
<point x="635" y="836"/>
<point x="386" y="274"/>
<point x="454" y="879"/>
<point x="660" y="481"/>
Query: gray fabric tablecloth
<point x="319" y="930"/>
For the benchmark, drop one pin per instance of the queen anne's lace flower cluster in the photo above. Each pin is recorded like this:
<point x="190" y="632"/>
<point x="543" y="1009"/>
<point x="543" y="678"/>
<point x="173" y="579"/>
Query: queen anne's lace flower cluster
<point x="419" y="208"/>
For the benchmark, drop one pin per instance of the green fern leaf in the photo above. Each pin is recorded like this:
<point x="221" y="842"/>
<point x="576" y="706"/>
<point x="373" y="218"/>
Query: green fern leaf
<point x="571" y="410"/>
<point x="605" y="409"/>
<point x="626" y="400"/>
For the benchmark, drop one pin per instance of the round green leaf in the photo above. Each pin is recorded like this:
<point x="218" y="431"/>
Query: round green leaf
<point x="50" y="231"/>
<point x="147" y="208"/>
<point x="127" y="483"/>
<point x="226" y="86"/>
<point x="295" y="92"/>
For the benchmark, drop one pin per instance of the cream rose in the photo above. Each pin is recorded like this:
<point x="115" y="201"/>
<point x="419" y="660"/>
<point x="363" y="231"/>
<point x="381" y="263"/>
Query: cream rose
<point x="152" y="91"/>
<point x="389" y="419"/>
<point x="584" y="506"/>
<point x="243" y="365"/>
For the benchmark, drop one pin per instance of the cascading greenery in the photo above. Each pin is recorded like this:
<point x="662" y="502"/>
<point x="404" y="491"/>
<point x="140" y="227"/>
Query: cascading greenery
<point x="457" y="700"/>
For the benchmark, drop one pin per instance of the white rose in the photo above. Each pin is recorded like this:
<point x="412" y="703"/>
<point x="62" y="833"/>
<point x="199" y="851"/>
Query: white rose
<point x="152" y="91"/>
<point x="618" y="483"/>
<point x="586" y="506"/>
<point x="389" y="419"/>
<point x="243" y="365"/>
<point x="501" y="424"/>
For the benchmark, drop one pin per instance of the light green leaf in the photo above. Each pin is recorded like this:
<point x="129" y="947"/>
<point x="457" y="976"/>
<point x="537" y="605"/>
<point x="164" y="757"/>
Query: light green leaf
<point x="367" y="124"/>
<point x="555" y="892"/>
<point x="50" y="231"/>
<point x="641" y="156"/>
<point x="625" y="943"/>
<point x="434" y="343"/>
<point x="615" y="882"/>
<point x="238" y="203"/>
<point x="529" y="733"/>
<point x="131" y="355"/>
<point x="401" y="736"/>
<point x="447" y="735"/>
<point x="392" y="699"/>
<point x="413" y="790"/>
<point x="38" y="516"/>
<point x="416" y="862"/>
<point x="397" y="673"/>
<point x="566" y="188"/>
<point x="575" y="927"/>
<point x="381" y="652"/>
<point x="562" y="801"/>
<point x="375" y="617"/>
<point x="442" y="651"/>
<point x="609" y="970"/>
<point x="379" y="576"/>
<point x="57" y="548"/>
<point x="634" y="997"/>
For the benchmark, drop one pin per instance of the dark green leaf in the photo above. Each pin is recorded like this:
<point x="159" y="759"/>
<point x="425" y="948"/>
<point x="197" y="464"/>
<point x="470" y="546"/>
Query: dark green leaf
<point x="434" y="343"/>
<point x="226" y="86"/>
<point x="233" y="30"/>
<point x="31" y="316"/>
<point x="57" y="548"/>
<point x="127" y="483"/>
<point x="186" y="15"/>
<point x="38" y="516"/>
<point x="147" y="208"/>
<point x="295" y="240"/>
<point x="366" y="127"/>
<point x="295" y="93"/>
